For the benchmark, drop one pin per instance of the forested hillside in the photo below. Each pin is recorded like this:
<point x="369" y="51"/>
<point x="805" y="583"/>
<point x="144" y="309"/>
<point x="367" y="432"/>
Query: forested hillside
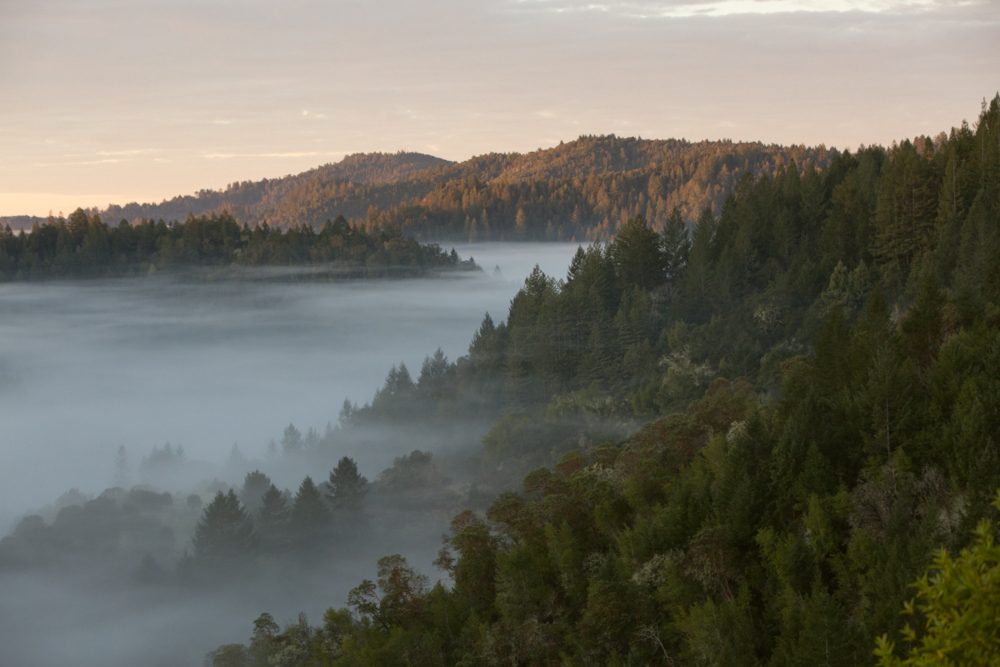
<point x="582" y="189"/>
<point x="816" y="371"/>
<point x="82" y="245"/>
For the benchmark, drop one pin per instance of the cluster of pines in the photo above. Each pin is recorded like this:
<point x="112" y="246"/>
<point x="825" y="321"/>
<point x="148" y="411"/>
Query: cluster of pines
<point x="264" y="521"/>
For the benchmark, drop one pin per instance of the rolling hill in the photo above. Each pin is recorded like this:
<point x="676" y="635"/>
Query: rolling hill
<point x="577" y="190"/>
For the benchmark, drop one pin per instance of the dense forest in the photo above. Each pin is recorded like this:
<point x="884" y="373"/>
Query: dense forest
<point x="82" y="245"/>
<point x="767" y="438"/>
<point x="583" y="189"/>
<point x="816" y="372"/>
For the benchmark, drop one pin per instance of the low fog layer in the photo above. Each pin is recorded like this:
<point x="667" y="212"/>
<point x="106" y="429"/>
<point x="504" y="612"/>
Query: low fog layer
<point x="87" y="367"/>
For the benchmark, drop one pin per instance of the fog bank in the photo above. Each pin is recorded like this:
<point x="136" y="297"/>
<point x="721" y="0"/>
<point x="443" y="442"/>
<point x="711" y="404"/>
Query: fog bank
<point x="86" y="367"/>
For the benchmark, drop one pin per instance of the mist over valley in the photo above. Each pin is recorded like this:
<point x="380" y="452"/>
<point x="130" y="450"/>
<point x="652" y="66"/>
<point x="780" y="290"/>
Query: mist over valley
<point x="216" y="370"/>
<point x="500" y="333"/>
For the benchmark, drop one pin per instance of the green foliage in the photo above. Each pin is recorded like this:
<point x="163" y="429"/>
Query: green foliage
<point x="638" y="255"/>
<point x="744" y="457"/>
<point x="955" y="610"/>
<point x="224" y="535"/>
<point x="347" y="486"/>
<point x="309" y="519"/>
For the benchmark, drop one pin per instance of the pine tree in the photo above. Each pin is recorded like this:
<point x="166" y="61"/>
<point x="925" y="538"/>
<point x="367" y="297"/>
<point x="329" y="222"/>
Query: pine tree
<point x="272" y="520"/>
<point x="291" y="440"/>
<point x="347" y="486"/>
<point x="224" y="535"/>
<point x="310" y="516"/>
<point x="676" y="246"/>
<point x="255" y="485"/>
<point x="638" y="255"/>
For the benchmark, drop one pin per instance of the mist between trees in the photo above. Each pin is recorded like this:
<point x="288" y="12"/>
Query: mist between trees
<point x="733" y="442"/>
<point x="825" y="353"/>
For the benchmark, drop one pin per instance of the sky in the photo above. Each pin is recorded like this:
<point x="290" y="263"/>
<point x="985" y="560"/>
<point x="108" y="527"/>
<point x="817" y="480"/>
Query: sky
<point x="112" y="101"/>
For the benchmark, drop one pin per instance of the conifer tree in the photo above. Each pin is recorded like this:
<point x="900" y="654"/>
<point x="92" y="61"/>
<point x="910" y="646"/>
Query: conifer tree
<point x="224" y="534"/>
<point x="347" y="486"/>
<point x="638" y="256"/>
<point x="255" y="485"/>
<point x="310" y="516"/>
<point x="676" y="246"/>
<point x="272" y="520"/>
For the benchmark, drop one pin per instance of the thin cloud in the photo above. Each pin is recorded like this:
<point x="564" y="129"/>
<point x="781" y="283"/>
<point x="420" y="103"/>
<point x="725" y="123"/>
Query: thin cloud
<point x="763" y="7"/>
<point x="282" y="154"/>
<point x="724" y="8"/>
<point x="80" y="163"/>
<point x="129" y="153"/>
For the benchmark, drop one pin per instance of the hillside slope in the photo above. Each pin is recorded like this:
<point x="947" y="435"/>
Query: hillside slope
<point x="578" y="189"/>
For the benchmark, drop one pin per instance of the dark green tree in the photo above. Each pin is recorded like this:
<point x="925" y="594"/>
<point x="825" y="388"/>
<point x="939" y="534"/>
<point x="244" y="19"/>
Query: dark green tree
<point x="638" y="255"/>
<point x="224" y="535"/>
<point x="309" y="520"/>
<point x="273" y="520"/>
<point x="347" y="486"/>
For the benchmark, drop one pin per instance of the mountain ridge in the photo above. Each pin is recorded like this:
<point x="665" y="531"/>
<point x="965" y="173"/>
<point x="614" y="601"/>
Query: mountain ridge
<point x="582" y="188"/>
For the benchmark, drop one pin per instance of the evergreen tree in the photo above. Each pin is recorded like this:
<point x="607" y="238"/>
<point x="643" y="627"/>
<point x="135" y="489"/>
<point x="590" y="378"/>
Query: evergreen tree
<point x="310" y="517"/>
<point x="638" y="256"/>
<point x="347" y="486"/>
<point x="224" y="535"/>
<point x="291" y="440"/>
<point x="273" y="519"/>
<point x="255" y="486"/>
<point x="676" y="246"/>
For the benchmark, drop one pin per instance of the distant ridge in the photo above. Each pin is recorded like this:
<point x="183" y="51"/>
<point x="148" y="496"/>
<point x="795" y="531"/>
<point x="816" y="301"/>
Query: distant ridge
<point x="579" y="189"/>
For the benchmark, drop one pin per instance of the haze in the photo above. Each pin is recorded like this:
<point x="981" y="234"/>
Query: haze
<point x="86" y="367"/>
<point x="108" y="101"/>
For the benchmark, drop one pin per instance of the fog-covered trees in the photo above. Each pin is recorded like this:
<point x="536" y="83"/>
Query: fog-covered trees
<point x="255" y="486"/>
<point x="272" y="521"/>
<point x="819" y="390"/>
<point x="735" y="447"/>
<point x="347" y="487"/>
<point x="291" y="440"/>
<point x="309" y="519"/>
<point x="224" y="536"/>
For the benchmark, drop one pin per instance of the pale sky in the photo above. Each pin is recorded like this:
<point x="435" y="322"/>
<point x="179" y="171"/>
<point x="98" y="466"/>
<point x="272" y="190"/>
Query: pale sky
<point x="136" y="100"/>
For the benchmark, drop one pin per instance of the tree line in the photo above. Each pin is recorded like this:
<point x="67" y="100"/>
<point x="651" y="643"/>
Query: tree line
<point x="83" y="245"/>
<point x="220" y="533"/>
